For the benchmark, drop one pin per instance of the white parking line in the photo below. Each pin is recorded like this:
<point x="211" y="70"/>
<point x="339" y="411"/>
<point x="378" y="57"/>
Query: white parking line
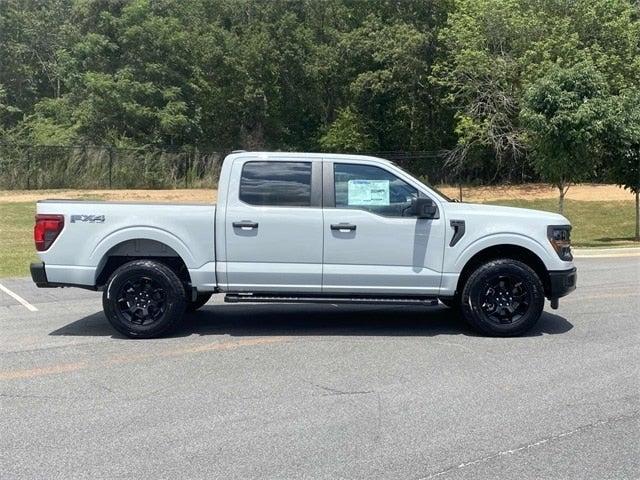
<point x="18" y="298"/>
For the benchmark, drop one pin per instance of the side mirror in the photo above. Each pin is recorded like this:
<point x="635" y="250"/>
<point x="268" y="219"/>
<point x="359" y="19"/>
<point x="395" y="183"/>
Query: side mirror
<point x="424" y="207"/>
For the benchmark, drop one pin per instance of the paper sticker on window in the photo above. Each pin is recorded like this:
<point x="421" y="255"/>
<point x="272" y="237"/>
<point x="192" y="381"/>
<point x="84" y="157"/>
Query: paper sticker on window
<point x="368" y="192"/>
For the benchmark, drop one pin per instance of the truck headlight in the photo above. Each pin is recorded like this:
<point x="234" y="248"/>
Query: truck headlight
<point x="560" y="238"/>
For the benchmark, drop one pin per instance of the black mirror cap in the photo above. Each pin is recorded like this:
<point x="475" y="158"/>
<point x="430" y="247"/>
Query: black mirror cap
<point x="424" y="207"/>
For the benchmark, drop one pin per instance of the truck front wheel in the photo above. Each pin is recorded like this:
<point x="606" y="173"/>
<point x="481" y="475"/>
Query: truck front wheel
<point x="503" y="297"/>
<point x="144" y="299"/>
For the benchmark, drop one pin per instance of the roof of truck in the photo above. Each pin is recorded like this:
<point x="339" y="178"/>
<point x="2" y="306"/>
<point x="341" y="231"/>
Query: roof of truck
<point x="319" y="156"/>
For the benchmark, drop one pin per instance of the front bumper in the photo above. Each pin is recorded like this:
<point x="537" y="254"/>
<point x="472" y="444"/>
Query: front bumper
<point x="562" y="282"/>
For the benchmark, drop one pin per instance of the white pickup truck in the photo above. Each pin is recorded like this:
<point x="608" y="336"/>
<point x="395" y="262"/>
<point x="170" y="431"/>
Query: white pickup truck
<point x="302" y="227"/>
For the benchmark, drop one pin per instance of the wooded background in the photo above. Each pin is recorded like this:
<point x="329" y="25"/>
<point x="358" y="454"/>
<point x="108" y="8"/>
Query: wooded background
<point x="486" y="90"/>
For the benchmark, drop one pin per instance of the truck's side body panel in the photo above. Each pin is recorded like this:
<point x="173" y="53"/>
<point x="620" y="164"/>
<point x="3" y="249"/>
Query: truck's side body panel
<point x="280" y="249"/>
<point x="366" y="261"/>
<point x="84" y="244"/>
<point x="295" y="248"/>
<point x="284" y="251"/>
<point x="490" y="226"/>
<point x="384" y="254"/>
<point x="220" y="220"/>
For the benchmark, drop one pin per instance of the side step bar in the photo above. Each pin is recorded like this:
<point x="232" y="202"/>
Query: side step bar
<point x="284" y="298"/>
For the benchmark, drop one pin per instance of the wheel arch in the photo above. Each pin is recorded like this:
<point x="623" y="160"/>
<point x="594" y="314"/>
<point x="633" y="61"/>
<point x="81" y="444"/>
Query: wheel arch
<point x="509" y="251"/>
<point x="142" y="233"/>
<point x="139" y="249"/>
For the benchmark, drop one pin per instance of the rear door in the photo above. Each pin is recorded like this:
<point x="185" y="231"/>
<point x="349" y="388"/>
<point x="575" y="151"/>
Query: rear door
<point x="373" y="244"/>
<point x="273" y="225"/>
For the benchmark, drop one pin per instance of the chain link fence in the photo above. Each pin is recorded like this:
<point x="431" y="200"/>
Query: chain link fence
<point x="33" y="167"/>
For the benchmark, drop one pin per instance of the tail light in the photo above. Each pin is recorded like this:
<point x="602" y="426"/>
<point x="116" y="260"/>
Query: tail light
<point x="46" y="230"/>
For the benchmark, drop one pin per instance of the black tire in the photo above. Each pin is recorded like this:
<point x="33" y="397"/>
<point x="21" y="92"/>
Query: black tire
<point x="201" y="299"/>
<point x="502" y="298"/>
<point x="144" y="299"/>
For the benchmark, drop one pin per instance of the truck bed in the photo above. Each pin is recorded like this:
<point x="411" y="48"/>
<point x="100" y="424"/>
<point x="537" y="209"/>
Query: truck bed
<point x="94" y="230"/>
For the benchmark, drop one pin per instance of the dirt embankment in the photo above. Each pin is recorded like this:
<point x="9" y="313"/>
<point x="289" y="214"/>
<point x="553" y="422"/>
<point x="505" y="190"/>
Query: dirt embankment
<point x="169" y="196"/>
<point x="584" y="192"/>
<point x="533" y="191"/>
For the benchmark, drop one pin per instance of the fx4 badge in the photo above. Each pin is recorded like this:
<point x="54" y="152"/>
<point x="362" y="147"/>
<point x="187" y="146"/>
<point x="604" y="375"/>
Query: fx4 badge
<point x="87" y="218"/>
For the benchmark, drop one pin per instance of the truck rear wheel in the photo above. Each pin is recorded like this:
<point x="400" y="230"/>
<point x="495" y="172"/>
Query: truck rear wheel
<point x="503" y="298"/>
<point x="144" y="299"/>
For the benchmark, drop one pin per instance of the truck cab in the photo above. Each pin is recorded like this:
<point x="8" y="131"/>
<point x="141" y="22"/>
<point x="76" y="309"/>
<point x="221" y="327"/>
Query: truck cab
<point x="326" y="224"/>
<point x="302" y="227"/>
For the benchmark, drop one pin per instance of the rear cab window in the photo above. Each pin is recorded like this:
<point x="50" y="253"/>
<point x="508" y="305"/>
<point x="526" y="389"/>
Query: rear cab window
<point x="276" y="183"/>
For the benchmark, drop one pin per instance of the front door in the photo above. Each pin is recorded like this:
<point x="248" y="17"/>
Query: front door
<point x="273" y="226"/>
<point x="373" y="244"/>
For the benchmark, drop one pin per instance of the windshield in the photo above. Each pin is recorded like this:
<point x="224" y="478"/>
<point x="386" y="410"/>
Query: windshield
<point x="447" y="198"/>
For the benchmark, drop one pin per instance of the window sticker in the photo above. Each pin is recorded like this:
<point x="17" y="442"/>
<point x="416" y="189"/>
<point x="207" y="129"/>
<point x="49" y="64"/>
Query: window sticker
<point x="368" y="192"/>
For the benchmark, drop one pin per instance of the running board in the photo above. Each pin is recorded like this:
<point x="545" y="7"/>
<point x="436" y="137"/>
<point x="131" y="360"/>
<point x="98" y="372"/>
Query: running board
<point x="276" y="298"/>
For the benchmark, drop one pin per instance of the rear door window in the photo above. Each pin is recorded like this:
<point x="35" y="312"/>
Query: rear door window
<point x="278" y="184"/>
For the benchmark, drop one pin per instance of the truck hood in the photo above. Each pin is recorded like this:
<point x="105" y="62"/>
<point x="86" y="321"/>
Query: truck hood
<point x="496" y="211"/>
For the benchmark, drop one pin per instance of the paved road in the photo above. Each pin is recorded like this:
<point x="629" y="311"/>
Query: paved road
<point x="273" y="391"/>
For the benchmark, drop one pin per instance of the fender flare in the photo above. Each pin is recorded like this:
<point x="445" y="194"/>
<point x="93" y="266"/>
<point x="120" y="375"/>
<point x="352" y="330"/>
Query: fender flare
<point x="117" y="237"/>
<point x="496" y="240"/>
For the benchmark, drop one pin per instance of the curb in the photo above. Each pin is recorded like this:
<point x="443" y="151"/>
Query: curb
<point x="606" y="252"/>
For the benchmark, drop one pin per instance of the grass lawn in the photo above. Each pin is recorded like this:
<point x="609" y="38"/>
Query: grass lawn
<point x="595" y="224"/>
<point x="16" y="238"/>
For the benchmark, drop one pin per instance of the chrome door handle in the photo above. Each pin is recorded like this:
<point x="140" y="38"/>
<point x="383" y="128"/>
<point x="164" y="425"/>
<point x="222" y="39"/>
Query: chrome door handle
<point x="343" y="227"/>
<point x="245" y="225"/>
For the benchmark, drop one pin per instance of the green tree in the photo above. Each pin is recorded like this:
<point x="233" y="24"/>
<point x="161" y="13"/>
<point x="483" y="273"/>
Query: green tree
<point x="33" y="36"/>
<point x="435" y="75"/>
<point x="388" y="65"/>
<point x="481" y="72"/>
<point x="347" y="133"/>
<point x="496" y="49"/>
<point x="622" y="145"/>
<point x="563" y="113"/>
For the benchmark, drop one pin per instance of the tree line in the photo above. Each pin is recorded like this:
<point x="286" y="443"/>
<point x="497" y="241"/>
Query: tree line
<point x="499" y="89"/>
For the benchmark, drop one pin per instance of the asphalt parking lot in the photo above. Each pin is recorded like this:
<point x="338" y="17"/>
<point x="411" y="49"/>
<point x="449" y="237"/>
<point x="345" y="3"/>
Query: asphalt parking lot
<point x="290" y="391"/>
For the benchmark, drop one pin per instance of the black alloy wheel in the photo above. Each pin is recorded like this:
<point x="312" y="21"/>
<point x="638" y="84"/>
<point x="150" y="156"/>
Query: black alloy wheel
<point x="144" y="299"/>
<point x="506" y="299"/>
<point x="503" y="297"/>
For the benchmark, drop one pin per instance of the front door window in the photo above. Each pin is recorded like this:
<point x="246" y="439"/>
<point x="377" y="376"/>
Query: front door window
<point x="373" y="189"/>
